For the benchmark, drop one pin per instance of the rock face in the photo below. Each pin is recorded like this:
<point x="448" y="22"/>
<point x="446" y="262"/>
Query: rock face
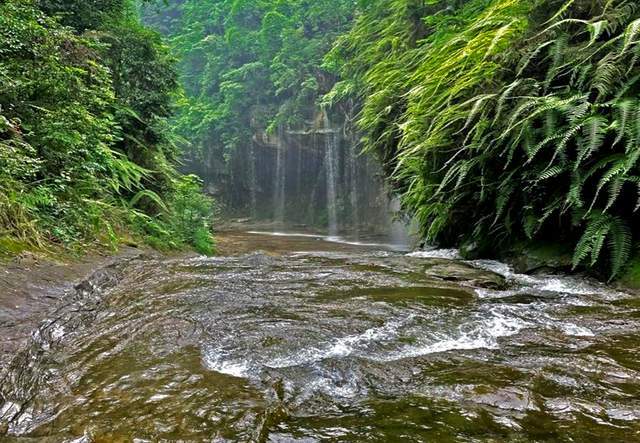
<point x="459" y="272"/>
<point x="311" y="174"/>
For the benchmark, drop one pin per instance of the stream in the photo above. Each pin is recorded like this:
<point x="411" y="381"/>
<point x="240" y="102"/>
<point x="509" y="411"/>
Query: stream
<point x="291" y="338"/>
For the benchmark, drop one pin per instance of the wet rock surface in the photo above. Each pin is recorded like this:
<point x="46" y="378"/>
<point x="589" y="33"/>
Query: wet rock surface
<point x="32" y="286"/>
<point x="336" y="343"/>
<point x="464" y="274"/>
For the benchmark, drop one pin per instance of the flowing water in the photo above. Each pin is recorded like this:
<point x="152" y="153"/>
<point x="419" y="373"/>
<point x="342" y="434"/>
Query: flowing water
<point x="318" y="341"/>
<point x="331" y="167"/>
<point x="353" y="188"/>
<point x="279" y="186"/>
<point x="253" y="184"/>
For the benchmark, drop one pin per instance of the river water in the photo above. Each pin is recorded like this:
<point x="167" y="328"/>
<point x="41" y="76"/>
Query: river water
<point x="297" y="339"/>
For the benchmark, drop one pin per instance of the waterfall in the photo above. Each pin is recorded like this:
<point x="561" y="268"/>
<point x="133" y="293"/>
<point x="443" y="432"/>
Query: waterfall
<point x="299" y="167"/>
<point x="253" y="182"/>
<point x="279" y="185"/>
<point x="398" y="229"/>
<point x="331" y="167"/>
<point x="353" y="184"/>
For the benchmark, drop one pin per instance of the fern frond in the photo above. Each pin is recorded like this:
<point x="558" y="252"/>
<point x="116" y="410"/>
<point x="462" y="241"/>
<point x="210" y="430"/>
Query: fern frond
<point x="624" y="109"/>
<point x="477" y="107"/>
<point x="574" y="196"/>
<point x="615" y="170"/>
<point x="595" y="132"/>
<point x="526" y="61"/>
<point x="608" y="73"/>
<point x="550" y="209"/>
<point x="615" y="188"/>
<point x="557" y="55"/>
<point x="577" y="112"/>
<point x="596" y="29"/>
<point x="532" y="151"/>
<point x="630" y="35"/>
<point x="561" y="11"/>
<point x="154" y="197"/>
<point x="636" y="180"/>
<point x="619" y="244"/>
<point x="551" y="172"/>
<point x="504" y="96"/>
<point x="596" y="225"/>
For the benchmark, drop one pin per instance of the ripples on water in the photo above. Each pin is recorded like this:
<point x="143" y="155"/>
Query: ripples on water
<point x="354" y="345"/>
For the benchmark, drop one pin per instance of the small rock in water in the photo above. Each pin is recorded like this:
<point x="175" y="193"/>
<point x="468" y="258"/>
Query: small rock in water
<point x="259" y="258"/>
<point x="453" y="271"/>
<point x="508" y="399"/>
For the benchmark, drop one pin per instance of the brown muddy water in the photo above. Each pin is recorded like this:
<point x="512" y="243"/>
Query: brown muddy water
<point x="298" y="339"/>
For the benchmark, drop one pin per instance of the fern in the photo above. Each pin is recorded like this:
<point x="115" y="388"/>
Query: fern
<point x="625" y="108"/>
<point x="526" y="61"/>
<point x="596" y="29"/>
<point x="551" y="172"/>
<point x="594" y="235"/>
<point x="607" y="75"/>
<point x="620" y="244"/>
<point x="152" y="196"/>
<point x="510" y="140"/>
<point x="630" y="35"/>
<point x="615" y="188"/>
<point x="595" y="132"/>
<point x="574" y="196"/>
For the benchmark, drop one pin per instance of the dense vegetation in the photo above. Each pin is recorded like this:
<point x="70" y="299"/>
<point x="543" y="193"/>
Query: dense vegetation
<point x="85" y="151"/>
<point x="499" y="122"/>
<point x="248" y="67"/>
<point x="505" y="120"/>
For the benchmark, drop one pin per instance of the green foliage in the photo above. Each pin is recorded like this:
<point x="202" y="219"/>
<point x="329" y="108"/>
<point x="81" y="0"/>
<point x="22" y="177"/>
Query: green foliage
<point x="190" y="215"/>
<point x="186" y="218"/>
<point x="247" y="67"/>
<point x="504" y="119"/>
<point x="83" y="133"/>
<point x="84" y="14"/>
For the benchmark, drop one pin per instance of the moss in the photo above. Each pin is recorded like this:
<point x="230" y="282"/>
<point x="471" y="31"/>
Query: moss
<point x="530" y="256"/>
<point x="550" y="252"/>
<point x="631" y="277"/>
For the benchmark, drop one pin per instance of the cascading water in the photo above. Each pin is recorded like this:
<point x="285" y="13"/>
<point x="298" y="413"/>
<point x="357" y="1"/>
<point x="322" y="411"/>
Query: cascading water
<point x="299" y="169"/>
<point x="331" y="167"/>
<point x="279" y="196"/>
<point x="318" y="170"/>
<point x="253" y="182"/>
<point x="398" y="229"/>
<point x="353" y="184"/>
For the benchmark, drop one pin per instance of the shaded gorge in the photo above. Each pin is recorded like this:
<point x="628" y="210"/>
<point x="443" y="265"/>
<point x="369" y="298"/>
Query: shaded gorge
<point x="313" y="177"/>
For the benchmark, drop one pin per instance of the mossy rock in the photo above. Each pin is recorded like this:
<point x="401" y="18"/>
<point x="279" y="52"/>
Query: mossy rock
<point x="631" y="277"/>
<point x="531" y="257"/>
<point x="455" y="271"/>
